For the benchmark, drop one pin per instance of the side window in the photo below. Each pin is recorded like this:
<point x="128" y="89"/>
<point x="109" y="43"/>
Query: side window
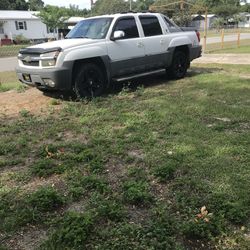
<point x="128" y="25"/>
<point x="150" y="25"/>
<point x="171" y="26"/>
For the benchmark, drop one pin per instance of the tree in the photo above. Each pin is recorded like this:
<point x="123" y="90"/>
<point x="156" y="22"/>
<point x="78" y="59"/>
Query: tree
<point x="142" y="5"/>
<point x="53" y="16"/>
<point x="74" y="10"/>
<point x="35" y="4"/>
<point x="181" y="14"/>
<point x="109" y="7"/>
<point x="13" y="5"/>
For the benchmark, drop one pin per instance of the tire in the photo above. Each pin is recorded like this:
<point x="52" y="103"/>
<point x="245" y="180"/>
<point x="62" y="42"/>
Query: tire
<point x="90" y="81"/>
<point x="179" y="66"/>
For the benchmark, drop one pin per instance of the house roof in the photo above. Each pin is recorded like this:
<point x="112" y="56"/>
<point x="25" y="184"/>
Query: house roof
<point x="18" y="14"/>
<point x="209" y="15"/>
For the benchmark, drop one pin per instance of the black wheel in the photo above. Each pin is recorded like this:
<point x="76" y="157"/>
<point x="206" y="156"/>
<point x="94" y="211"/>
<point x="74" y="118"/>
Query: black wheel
<point x="90" y="81"/>
<point x="179" y="66"/>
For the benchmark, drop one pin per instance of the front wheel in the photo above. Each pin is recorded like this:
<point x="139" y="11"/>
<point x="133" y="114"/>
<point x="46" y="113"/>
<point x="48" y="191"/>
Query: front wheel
<point x="179" y="66"/>
<point x="90" y="81"/>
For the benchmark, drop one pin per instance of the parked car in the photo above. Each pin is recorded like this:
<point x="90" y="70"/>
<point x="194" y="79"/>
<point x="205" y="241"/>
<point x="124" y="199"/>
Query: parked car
<point x="110" y="48"/>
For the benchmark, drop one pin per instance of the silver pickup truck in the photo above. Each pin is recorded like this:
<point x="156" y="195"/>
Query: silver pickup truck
<point x="110" y="48"/>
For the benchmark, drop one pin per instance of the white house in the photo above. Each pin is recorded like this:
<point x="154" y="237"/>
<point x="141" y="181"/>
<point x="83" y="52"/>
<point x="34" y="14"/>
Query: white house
<point x="26" y="23"/>
<point x="199" y="21"/>
<point x="246" y="22"/>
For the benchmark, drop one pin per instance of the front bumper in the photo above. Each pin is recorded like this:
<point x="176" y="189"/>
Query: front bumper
<point x="61" y="77"/>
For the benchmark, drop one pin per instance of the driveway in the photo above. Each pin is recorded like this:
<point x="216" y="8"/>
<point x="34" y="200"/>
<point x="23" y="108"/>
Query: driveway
<point x="8" y="64"/>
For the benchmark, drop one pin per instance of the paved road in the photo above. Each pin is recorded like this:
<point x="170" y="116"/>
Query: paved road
<point x="8" y="64"/>
<point x="227" y="38"/>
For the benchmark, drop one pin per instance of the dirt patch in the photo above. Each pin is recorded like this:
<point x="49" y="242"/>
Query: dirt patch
<point x="31" y="100"/>
<point x="224" y="59"/>
<point x="27" y="239"/>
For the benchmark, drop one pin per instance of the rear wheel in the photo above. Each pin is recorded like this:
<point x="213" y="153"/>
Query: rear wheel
<point x="179" y="66"/>
<point x="90" y="81"/>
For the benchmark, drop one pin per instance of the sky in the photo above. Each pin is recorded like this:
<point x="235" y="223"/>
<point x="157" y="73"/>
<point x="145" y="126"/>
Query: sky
<point x="81" y="3"/>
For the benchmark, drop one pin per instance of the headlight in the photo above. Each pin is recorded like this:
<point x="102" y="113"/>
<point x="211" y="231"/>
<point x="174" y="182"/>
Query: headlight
<point x="49" y="59"/>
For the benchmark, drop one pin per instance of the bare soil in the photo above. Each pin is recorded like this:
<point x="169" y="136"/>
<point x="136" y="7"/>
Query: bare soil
<point x="31" y="100"/>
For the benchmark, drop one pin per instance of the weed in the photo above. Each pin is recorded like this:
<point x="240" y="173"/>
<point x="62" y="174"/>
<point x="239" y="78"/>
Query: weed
<point x="45" y="199"/>
<point x="136" y="192"/>
<point x="107" y="208"/>
<point x="55" y="102"/>
<point x="46" y="167"/>
<point x="79" y="184"/>
<point x="72" y="233"/>
<point x="24" y="113"/>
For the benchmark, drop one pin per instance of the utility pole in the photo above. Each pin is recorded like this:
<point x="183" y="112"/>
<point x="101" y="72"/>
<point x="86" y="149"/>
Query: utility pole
<point x="130" y="5"/>
<point x="205" y="31"/>
<point x="182" y="5"/>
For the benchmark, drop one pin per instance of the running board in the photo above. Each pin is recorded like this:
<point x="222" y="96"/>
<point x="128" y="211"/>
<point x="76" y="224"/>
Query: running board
<point x="139" y="75"/>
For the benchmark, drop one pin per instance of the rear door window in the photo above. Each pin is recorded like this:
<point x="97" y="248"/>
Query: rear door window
<point x="150" y="25"/>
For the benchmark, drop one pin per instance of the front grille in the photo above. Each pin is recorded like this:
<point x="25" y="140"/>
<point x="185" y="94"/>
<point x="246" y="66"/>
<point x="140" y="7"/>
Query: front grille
<point x="34" y="63"/>
<point x="30" y="59"/>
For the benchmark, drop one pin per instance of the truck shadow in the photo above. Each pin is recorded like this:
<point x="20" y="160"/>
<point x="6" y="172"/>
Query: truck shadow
<point x="146" y="82"/>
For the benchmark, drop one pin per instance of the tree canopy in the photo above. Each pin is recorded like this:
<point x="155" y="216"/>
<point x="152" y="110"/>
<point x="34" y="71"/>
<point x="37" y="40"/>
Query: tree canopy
<point x="53" y="16"/>
<point x="13" y="5"/>
<point x="35" y="4"/>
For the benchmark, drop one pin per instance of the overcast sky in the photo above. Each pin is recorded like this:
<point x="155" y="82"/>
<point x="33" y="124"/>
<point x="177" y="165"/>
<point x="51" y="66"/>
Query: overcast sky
<point x="81" y="3"/>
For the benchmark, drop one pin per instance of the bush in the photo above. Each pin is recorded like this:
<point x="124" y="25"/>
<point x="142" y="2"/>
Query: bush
<point x="21" y="39"/>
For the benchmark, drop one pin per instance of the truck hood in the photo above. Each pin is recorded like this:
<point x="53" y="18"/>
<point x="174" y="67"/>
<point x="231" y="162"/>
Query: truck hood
<point x="64" y="44"/>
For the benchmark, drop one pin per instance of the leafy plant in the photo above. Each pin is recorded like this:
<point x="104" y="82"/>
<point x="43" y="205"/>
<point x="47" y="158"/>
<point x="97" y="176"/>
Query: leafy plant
<point x="136" y="192"/>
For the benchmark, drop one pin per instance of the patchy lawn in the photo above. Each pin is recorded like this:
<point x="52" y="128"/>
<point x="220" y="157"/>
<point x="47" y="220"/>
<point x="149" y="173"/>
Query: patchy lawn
<point x="11" y="50"/>
<point x="165" y="166"/>
<point x="8" y="81"/>
<point x="240" y="50"/>
<point x="229" y="47"/>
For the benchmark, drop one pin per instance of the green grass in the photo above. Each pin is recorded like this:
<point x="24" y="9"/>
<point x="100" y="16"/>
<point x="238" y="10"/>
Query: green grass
<point x="240" y="50"/>
<point x="11" y="50"/>
<point x="229" y="47"/>
<point x="8" y="81"/>
<point x="164" y="166"/>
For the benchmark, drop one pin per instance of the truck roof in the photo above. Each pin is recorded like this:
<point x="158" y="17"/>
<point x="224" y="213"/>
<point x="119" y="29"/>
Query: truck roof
<point x="125" y="14"/>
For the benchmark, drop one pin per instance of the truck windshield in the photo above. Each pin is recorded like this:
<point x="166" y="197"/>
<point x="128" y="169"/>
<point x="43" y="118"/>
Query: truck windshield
<point x="94" y="28"/>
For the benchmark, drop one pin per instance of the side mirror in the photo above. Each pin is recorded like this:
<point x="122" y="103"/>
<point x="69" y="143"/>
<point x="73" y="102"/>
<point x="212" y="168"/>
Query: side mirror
<point x="119" y="34"/>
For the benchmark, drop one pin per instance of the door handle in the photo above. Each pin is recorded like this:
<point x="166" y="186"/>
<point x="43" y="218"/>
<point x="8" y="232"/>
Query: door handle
<point x="162" y="41"/>
<point x="140" y="45"/>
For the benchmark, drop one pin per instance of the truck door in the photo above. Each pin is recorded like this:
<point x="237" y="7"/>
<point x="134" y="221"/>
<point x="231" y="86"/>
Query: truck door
<point x="154" y="41"/>
<point x="126" y="54"/>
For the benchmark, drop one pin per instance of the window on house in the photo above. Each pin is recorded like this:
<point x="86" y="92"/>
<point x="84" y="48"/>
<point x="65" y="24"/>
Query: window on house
<point x="21" y="25"/>
<point x="1" y="30"/>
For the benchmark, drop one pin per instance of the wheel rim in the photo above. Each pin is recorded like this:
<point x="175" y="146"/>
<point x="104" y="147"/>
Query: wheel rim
<point x="91" y="83"/>
<point x="180" y="66"/>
